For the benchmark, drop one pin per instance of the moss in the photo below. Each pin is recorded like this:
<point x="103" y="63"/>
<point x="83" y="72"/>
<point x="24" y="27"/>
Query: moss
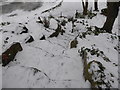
<point x="46" y="22"/>
<point x="63" y="23"/>
<point x="91" y="31"/>
<point x="97" y="53"/>
<point x="5" y="23"/>
<point x="106" y="59"/>
<point x="95" y="77"/>
<point x="101" y="72"/>
<point x="70" y="19"/>
<point x="89" y="15"/>
<point x="73" y="43"/>
<point x="79" y="15"/>
<point x="101" y="52"/>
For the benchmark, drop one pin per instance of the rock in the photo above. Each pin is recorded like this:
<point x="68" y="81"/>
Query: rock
<point x="5" y="23"/>
<point x="10" y="53"/>
<point x="7" y="38"/>
<point x="12" y="15"/>
<point x="55" y="34"/>
<point x="70" y="19"/>
<point x="39" y="20"/>
<point x="62" y="31"/>
<point x="30" y="39"/>
<point x="5" y="41"/>
<point x="25" y="30"/>
<point x="76" y="14"/>
<point x="73" y="43"/>
<point x="12" y="32"/>
<point x="63" y="23"/>
<point x="46" y="22"/>
<point x="43" y="38"/>
<point x="26" y="23"/>
<point x="58" y="30"/>
<point x="104" y="11"/>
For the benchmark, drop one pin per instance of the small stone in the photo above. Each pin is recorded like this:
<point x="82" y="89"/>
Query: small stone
<point x="43" y="38"/>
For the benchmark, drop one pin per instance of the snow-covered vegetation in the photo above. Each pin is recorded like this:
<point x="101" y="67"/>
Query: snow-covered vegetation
<point x="61" y="49"/>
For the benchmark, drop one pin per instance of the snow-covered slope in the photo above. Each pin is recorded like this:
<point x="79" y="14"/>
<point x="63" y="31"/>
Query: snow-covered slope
<point x="51" y="63"/>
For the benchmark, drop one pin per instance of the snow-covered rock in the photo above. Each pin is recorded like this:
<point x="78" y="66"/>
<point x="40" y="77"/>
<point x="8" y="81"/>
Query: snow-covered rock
<point x="50" y="63"/>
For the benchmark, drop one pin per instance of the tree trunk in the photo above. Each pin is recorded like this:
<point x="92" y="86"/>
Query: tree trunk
<point x="112" y="13"/>
<point x="85" y="7"/>
<point x="96" y="5"/>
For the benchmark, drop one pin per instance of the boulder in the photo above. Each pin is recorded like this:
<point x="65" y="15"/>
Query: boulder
<point x="10" y="53"/>
<point x="43" y="38"/>
<point x="29" y="39"/>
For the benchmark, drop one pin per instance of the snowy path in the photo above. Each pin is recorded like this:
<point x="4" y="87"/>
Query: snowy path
<point x="63" y="69"/>
<point x="61" y="64"/>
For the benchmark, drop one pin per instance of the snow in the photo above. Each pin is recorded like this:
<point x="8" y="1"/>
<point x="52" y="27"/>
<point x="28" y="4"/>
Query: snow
<point x="51" y="63"/>
<point x="0" y="69"/>
<point x="108" y="49"/>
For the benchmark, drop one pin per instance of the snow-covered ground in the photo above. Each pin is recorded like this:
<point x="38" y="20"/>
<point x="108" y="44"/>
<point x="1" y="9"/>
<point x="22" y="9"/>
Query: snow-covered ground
<point x="51" y="63"/>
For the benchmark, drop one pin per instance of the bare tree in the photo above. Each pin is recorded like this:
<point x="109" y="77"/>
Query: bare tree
<point x="112" y="13"/>
<point x="85" y="7"/>
<point x="96" y="5"/>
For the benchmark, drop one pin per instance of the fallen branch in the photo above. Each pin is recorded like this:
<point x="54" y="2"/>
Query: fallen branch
<point x="48" y="10"/>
